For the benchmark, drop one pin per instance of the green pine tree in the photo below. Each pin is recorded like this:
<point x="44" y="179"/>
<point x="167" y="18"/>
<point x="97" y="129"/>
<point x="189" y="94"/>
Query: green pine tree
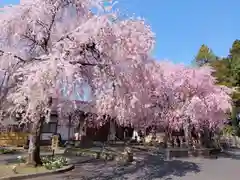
<point x="204" y="56"/>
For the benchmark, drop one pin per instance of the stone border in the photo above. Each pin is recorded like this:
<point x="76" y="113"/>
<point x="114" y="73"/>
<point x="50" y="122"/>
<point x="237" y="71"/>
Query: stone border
<point x="89" y="153"/>
<point x="29" y="176"/>
<point x="231" y="153"/>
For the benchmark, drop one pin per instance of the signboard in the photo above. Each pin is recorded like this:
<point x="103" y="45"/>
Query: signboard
<point x="46" y="136"/>
<point x="55" y="142"/>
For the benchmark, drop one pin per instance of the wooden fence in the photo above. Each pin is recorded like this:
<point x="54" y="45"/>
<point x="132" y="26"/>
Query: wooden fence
<point x="13" y="138"/>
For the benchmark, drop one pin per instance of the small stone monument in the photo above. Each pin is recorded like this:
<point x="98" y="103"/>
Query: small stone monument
<point x="127" y="155"/>
<point x="55" y="142"/>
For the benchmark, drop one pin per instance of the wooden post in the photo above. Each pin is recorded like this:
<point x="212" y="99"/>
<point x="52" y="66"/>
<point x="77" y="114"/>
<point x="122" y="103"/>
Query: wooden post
<point x="54" y="144"/>
<point x="181" y="141"/>
<point x="69" y="125"/>
<point x="53" y="152"/>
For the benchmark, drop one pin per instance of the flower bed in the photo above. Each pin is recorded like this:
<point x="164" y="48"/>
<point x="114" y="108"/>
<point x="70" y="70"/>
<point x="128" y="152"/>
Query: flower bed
<point x="21" y="170"/>
<point x="49" y="162"/>
<point x="56" y="162"/>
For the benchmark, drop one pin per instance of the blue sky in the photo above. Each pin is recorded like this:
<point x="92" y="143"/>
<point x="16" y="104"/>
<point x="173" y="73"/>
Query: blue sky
<point x="182" y="26"/>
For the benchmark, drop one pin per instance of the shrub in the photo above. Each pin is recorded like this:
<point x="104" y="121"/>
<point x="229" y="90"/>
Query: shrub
<point x="54" y="162"/>
<point x="229" y="130"/>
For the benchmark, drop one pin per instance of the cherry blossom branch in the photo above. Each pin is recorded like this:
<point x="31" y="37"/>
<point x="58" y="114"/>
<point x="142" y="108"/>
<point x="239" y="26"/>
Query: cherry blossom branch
<point x="15" y="56"/>
<point x="44" y="44"/>
<point x="73" y="62"/>
<point x="89" y="64"/>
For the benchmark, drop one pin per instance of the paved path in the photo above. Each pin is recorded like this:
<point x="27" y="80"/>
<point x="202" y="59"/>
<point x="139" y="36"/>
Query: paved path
<point x="155" y="168"/>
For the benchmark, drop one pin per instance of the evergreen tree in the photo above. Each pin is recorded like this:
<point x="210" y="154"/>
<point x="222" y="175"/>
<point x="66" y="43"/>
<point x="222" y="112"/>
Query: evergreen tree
<point x="234" y="57"/>
<point x="204" y="56"/>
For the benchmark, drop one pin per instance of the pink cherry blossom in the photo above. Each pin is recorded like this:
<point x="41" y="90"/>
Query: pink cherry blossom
<point x="46" y="45"/>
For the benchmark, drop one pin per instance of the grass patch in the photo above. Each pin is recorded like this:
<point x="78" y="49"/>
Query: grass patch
<point x="7" y="151"/>
<point x="7" y="170"/>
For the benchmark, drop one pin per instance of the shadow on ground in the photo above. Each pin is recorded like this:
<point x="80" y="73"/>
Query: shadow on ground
<point x="233" y="153"/>
<point x="153" y="166"/>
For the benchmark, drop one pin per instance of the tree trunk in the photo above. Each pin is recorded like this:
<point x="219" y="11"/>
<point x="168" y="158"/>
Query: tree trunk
<point x="187" y="135"/>
<point x="166" y="138"/>
<point x="175" y="141"/>
<point x="81" y="123"/>
<point x="112" y="131"/>
<point x="34" y="158"/>
<point x="85" y="140"/>
<point x="82" y="126"/>
<point x="200" y="139"/>
<point x="181" y="141"/>
<point x="169" y="140"/>
<point x="69" y="126"/>
<point x="206" y="138"/>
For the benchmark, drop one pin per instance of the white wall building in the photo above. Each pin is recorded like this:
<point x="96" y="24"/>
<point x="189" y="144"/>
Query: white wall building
<point x="64" y="125"/>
